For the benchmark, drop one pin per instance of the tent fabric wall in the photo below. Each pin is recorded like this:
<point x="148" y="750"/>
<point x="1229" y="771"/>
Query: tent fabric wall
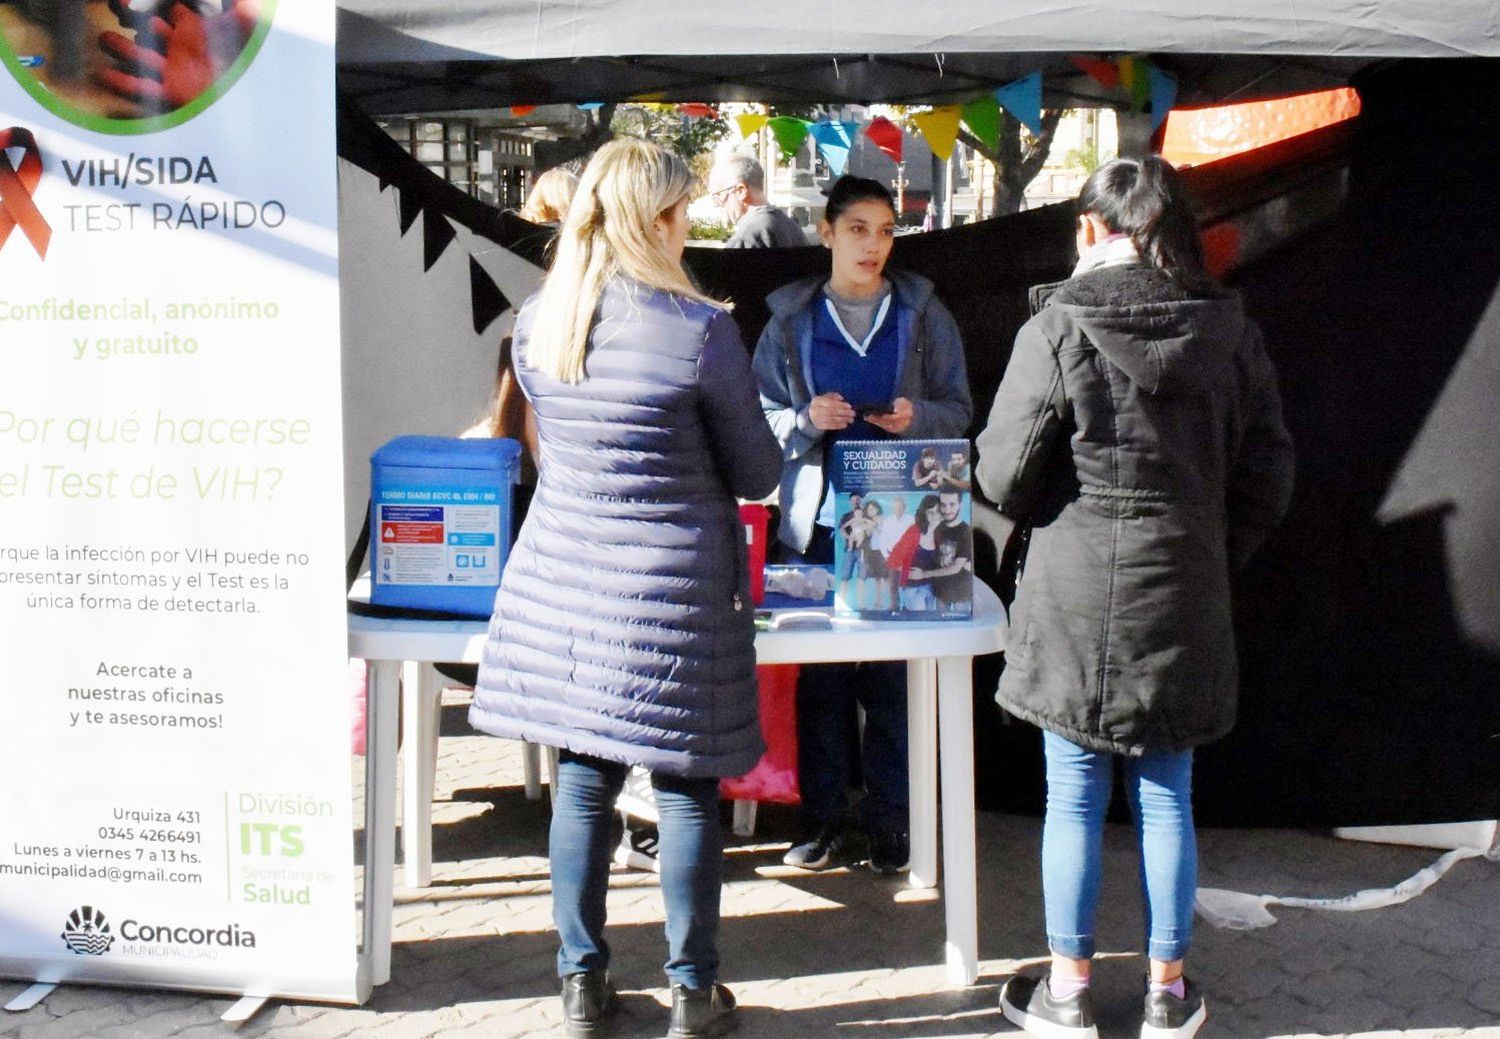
<point x="445" y="30"/>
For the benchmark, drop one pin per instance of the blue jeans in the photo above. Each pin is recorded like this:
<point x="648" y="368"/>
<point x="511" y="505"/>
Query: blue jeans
<point x="691" y="855"/>
<point x="1160" y="789"/>
<point x="831" y="758"/>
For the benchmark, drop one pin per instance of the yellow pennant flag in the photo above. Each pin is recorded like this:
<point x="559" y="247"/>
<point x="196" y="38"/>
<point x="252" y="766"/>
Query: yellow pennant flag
<point x="750" y="123"/>
<point x="940" y="127"/>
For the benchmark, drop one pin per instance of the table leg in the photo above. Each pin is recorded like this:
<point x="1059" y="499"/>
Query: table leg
<point x="380" y="816"/>
<point x="921" y="743"/>
<point x="960" y="881"/>
<point x="421" y="690"/>
<point x="531" y="770"/>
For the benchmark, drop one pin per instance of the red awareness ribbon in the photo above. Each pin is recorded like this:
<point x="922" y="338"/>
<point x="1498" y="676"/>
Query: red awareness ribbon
<point x="16" y="186"/>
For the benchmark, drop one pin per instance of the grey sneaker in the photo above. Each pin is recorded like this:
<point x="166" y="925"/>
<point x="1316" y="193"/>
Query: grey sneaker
<point x="700" y="1013"/>
<point x="825" y="846"/>
<point x="1028" y="1003"/>
<point x="1167" y="1017"/>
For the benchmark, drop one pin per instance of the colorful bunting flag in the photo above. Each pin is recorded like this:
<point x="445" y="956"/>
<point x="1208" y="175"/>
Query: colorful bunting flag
<point x="1105" y="73"/>
<point x="886" y="135"/>
<point x="1163" y="95"/>
<point x="834" y="139"/>
<point x="697" y="110"/>
<point x="522" y="110"/>
<point x="982" y="117"/>
<point x="1023" y="99"/>
<point x="940" y="127"/>
<point x="789" y="132"/>
<point x="1135" y="78"/>
<point x="591" y="106"/>
<point x="750" y="122"/>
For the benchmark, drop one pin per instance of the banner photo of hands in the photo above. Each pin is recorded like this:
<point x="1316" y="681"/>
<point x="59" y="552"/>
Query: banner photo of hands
<point x="131" y="66"/>
<point x="178" y="808"/>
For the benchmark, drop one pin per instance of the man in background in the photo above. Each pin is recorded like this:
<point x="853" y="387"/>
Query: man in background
<point x="737" y="184"/>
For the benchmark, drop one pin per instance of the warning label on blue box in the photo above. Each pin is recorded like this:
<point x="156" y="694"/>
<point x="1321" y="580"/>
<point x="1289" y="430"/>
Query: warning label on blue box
<point x="450" y="544"/>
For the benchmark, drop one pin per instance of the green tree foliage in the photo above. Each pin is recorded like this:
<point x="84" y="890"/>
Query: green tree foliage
<point x="689" y="136"/>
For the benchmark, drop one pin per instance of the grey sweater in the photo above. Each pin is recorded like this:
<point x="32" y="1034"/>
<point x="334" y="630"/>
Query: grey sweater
<point x="766" y="228"/>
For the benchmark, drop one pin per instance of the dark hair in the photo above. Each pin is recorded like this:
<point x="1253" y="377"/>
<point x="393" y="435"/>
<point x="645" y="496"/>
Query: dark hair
<point x="1144" y="199"/>
<point x="848" y="190"/>
<point x="929" y="501"/>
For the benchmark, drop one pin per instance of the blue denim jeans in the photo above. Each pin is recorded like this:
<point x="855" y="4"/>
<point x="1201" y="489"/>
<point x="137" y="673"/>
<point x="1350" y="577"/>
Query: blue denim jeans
<point x="691" y="855"/>
<point x="1160" y="790"/>
<point x="831" y="756"/>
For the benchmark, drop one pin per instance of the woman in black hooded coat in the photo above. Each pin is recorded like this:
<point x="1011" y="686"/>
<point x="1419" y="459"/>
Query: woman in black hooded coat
<point x="1137" y="434"/>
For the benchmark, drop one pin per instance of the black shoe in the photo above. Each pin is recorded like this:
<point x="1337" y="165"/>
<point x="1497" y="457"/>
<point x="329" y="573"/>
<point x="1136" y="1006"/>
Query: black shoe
<point x="889" y="852"/>
<point x="1028" y="1003"/>
<point x="640" y="848"/>
<point x="698" y="1013"/>
<point x="1167" y="1017"/>
<point x="588" y="1000"/>
<point x="823" y="847"/>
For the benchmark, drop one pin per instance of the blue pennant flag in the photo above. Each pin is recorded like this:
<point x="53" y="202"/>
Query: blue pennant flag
<point x="834" y="139"/>
<point x="1163" y="95"/>
<point x="590" y="106"/>
<point x="1023" y="99"/>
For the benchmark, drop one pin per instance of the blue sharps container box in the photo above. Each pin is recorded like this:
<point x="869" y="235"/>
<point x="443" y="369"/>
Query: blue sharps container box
<point x="440" y="518"/>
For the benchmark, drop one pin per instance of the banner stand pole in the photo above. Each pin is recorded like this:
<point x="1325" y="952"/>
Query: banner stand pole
<point x="244" y="1009"/>
<point x="31" y="997"/>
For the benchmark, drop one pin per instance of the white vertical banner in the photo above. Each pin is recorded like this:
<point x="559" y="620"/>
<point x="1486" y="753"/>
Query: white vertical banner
<point x="174" y="721"/>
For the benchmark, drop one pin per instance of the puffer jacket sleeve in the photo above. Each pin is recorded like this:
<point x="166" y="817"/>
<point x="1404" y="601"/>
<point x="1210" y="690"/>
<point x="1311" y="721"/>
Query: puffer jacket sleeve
<point x="1260" y="476"/>
<point x="946" y="407"/>
<point x="789" y="420"/>
<point x="744" y="449"/>
<point x="1028" y="414"/>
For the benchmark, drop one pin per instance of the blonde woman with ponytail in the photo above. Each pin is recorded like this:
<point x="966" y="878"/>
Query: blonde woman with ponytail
<point x="623" y="631"/>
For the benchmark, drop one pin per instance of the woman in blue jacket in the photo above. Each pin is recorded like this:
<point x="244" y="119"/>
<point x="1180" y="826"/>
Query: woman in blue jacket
<point x="623" y="631"/>
<point x="861" y="335"/>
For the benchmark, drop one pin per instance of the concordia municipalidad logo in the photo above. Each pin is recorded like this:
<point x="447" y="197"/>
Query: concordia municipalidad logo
<point x="87" y="932"/>
<point x="17" y="184"/>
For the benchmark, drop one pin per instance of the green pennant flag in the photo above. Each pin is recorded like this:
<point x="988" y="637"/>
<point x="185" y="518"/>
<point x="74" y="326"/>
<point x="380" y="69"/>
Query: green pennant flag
<point x="790" y="132"/>
<point x="982" y="117"/>
<point x="1135" y="78"/>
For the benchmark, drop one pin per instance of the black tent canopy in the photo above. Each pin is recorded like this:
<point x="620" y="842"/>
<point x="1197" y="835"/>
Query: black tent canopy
<point x="443" y="55"/>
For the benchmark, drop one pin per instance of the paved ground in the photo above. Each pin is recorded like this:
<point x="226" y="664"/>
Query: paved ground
<point x="847" y="954"/>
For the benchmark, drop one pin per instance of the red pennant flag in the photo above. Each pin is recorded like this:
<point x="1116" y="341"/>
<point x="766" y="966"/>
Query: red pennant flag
<point x="16" y="186"/>
<point x="697" y="110"/>
<point x="886" y="135"/>
<point x="1105" y="73"/>
<point x="522" y="110"/>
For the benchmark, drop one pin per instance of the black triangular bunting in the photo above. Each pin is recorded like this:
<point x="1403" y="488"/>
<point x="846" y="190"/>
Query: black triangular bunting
<point x="436" y="234"/>
<point x="488" y="301"/>
<point x="410" y="205"/>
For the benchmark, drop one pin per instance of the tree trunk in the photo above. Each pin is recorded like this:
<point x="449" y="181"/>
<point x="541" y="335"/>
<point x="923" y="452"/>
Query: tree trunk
<point x="1016" y="166"/>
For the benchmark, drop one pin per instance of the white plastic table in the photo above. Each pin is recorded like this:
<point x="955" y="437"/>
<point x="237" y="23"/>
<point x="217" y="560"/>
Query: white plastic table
<point x="939" y="715"/>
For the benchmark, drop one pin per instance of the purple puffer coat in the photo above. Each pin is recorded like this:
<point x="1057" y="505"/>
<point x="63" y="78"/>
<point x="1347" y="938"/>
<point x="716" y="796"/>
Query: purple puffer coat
<point x="623" y="627"/>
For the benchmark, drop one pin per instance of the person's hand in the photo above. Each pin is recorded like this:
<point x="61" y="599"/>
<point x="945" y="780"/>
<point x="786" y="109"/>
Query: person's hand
<point x="830" y="412"/>
<point x="174" y="59"/>
<point x="894" y="421"/>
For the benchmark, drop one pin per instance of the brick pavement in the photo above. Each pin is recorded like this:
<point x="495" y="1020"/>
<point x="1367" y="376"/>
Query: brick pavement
<point x="851" y="955"/>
